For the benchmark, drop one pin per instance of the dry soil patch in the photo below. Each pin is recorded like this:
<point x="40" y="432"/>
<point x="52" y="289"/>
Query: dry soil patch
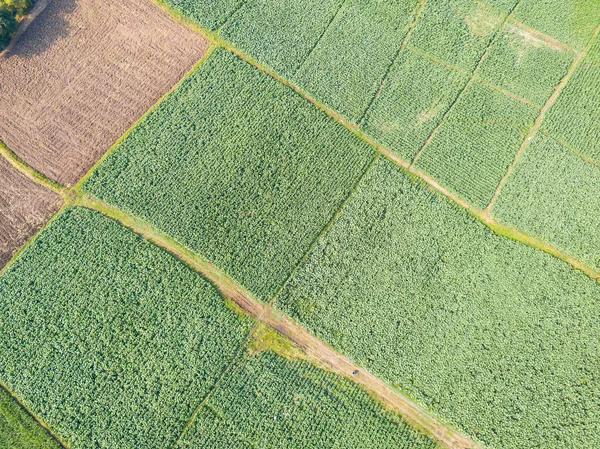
<point x="82" y="73"/>
<point x="24" y="207"/>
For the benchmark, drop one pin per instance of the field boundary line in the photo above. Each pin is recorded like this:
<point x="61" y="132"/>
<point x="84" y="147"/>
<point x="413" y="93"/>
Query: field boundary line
<point x="471" y="79"/>
<point x="75" y="188"/>
<point x="411" y="27"/>
<point x="569" y="148"/>
<point x="31" y="173"/>
<point x="533" y="31"/>
<point x="222" y="374"/>
<point x="319" y="39"/>
<point x="414" y="415"/>
<point x="326" y="227"/>
<point x="540" y="118"/>
<point x="41" y="423"/>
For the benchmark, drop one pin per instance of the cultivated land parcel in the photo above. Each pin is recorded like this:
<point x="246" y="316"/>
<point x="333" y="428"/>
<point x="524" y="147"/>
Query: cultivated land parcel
<point x="396" y="196"/>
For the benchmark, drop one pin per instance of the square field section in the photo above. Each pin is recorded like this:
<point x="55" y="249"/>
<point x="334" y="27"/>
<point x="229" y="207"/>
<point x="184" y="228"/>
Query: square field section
<point x="554" y="194"/>
<point x="471" y="150"/>
<point x="237" y="167"/>
<point x="82" y="73"/>
<point x="412" y="101"/>
<point x="24" y="207"/>
<point x="107" y="338"/>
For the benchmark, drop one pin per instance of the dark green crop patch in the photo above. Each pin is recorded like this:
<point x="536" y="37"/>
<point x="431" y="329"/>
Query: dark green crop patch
<point x="108" y="339"/>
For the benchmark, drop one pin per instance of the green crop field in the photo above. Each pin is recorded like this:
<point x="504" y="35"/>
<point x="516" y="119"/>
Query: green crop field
<point x="477" y="327"/>
<point x="246" y="172"/>
<point x="357" y="224"/>
<point x="555" y="195"/>
<point x="113" y="343"/>
<point x="268" y="401"/>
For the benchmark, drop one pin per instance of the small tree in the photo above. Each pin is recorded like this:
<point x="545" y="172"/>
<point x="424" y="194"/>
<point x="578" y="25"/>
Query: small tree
<point x="16" y="7"/>
<point x="8" y="24"/>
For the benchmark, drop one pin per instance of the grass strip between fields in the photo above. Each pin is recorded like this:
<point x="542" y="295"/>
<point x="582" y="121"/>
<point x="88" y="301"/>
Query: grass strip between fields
<point x="412" y="413"/>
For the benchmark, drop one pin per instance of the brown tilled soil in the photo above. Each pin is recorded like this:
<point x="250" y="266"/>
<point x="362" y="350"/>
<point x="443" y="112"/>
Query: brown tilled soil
<point x="82" y="73"/>
<point x="24" y="208"/>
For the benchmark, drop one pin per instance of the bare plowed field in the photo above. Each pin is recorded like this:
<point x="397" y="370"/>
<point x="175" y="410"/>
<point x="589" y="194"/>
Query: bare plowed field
<point x="82" y="73"/>
<point x="24" y="207"/>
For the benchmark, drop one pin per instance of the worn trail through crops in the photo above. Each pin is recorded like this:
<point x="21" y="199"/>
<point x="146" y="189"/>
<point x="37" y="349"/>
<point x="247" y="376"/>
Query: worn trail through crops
<point x="412" y="413"/>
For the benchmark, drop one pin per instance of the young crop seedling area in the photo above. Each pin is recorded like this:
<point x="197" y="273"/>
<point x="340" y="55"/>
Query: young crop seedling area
<point x="273" y="224"/>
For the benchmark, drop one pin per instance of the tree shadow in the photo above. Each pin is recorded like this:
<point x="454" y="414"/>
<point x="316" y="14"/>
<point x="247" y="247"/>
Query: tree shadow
<point x="49" y="26"/>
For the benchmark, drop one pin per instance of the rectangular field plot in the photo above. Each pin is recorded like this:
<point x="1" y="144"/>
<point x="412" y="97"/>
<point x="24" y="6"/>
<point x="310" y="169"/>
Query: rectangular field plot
<point x="24" y="207"/>
<point x="490" y="334"/>
<point x="575" y="117"/>
<point x="571" y="22"/>
<point x="82" y="73"/>
<point x="266" y="401"/>
<point x="411" y="103"/>
<point x="18" y="429"/>
<point x="524" y="64"/>
<point x="209" y="13"/>
<point x="347" y="66"/>
<point x="473" y="148"/>
<point x="554" y="195"/>
<point x="237" y="167"/>
<point x="455" y="31"/>
<point x="108" y="339"/>
<point x="280" y="33"/>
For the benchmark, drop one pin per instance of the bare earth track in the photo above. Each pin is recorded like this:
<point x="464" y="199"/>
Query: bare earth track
<point x="24" y="207"/>
<point x="82" y="73"/>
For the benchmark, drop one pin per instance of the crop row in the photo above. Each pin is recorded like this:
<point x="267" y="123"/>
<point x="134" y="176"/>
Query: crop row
<point x="490" y="334"/>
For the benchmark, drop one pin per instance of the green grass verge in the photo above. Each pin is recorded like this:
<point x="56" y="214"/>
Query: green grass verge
<point x="18" y="429"/>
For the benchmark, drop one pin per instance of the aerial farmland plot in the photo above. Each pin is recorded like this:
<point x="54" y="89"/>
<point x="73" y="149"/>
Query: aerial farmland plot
<point x="82" y="74"/>
<point x="300" y="224"/>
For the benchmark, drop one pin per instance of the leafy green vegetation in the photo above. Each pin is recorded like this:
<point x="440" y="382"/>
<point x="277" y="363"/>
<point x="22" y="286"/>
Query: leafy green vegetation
<point x="524" y="64"/>
<point x="571" y="22"/>
<point x="411" y="103"/>
<point x="107" y="338"/>
<point x="493" y="335"/>
<point x="11" y="12"/>
<point x="574" y="116"/>
<point x="503" y="5"/>
<point x="280" y="33"/>
<point x="237" y="167"/>
<point x="473" y="148"/>
<point x="554" y="195"/>
<point x="268" y="401"/>
<point x="209" y="13"/>
<point x="455" y="31"/>
<point x="18" y="429"/>
<point x="347" y="65"/>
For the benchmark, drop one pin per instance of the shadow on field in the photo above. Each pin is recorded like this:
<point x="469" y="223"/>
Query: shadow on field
<point x="49" y="26"/>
